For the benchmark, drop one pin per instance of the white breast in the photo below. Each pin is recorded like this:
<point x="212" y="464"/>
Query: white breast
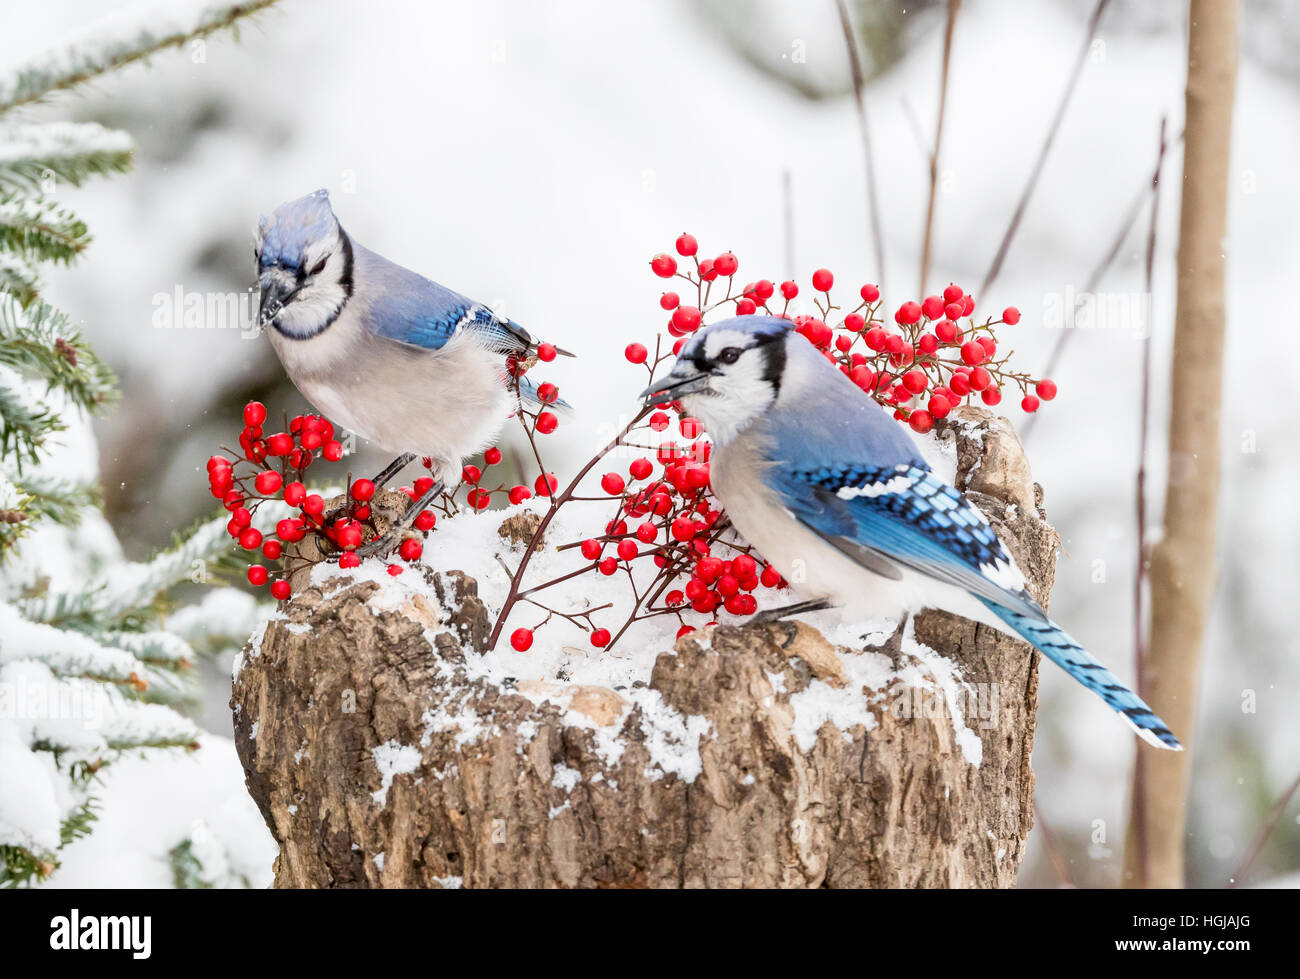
<point x="447" y="404"/>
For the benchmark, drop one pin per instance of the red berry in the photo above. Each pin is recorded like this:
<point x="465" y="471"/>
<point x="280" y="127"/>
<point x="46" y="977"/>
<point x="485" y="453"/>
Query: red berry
<point x="980" y="379"/>
<point x="290" y="531"/>
<point x="683" y="529"/>
<point x="921" y="421"/>
<point x="946" y="330"/>
<point x="547" y="422"/>
<point x="686" y="318"/>
<point x="869" y="293"/>
<point x="928" y="344"/>
<point x="279" y="444"/>
<point x="726" y="264"/>
<point x="939" y="406"/>
<point x="257" y="575"/>
<point x="1011" y="316"/>
<point x="746" y="307"/>
<point x="394" y="569"/>
<point x="591" y="549"/>
<point x="789" y="289"/>
<point x="349" y="560"/>
<point x="908" y="313"/>
<point x="612" y="483"/>
<point x="426" y="520"/>
<point x="770" y="577"/>
<point x="877" y="338"/>
<point x="967" y="305"/>
<point x="659" y="421"/>
<point x="1046" y="389"/>
<point x="636" y="353"/>
<point x="627" y="549"/>
<point x="932" y="307"/>
<point x="362" y="490"/>
<point x="250" y="539"/>
<point x="915" y="381"/>
<point x="823" y="280"/>
<point x="492" y="456"/>
<point x="953" y="311"/>
<point x="687" y="245"/>
<point x="707" y="272"/>
<point x="332" y="451"/>
<point x="669" y="301"/>
<point x="547" y="393"/>
<point x="267" y="482"/>
<point x="546" y="352"/>
<point x="280" y="590"/>
<point x="600" y="638"/>
<point x="411" y="549"/>
<point x="608" y="566"/>
<point x="973" y="354"/>
<point x="647" y="532"/>
<point x="663" y="265"/>
<point x="989" y="345"/>
<point x="254" y="413"/>
<point x="521" y="639"/>
<point x="953" y="293"/>
<point x="469" y="474"/>
<point x="991" y="396"/>
<point x="1029" y="403"/>
<point x="640" y="468"/>
<point x="960" y="384"/>
<point x="546" y="484"/>
<point x="519" y="493"/>
<point x="479" y="499"/>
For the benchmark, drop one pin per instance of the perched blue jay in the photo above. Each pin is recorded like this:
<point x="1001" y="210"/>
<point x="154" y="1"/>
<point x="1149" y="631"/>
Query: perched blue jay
<point x="820" y="479"/>
<point x="386" y="353"/>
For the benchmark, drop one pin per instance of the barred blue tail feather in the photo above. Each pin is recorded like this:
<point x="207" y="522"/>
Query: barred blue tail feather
<point x="1054" y="643"/>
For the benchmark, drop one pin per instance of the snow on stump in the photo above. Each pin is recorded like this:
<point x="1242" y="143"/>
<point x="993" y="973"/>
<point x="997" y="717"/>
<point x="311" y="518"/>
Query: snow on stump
<point x="386" y="750"/>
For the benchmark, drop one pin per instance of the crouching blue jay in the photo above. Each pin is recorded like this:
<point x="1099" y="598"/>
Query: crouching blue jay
<point x="834" y="493"/>
<point x="386" y="353"/>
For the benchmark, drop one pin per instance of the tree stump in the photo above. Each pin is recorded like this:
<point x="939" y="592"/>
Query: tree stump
<point x="763" y="755"/>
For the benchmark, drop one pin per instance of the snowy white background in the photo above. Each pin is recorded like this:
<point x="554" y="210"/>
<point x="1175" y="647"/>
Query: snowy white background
<point x="536" y="155"/>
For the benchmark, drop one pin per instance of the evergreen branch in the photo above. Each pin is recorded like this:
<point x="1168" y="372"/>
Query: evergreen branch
<point x="40" y="230"/>
<point x="24" y="422"/>
<point x="109" y="46"/>
<point x="33" y="155"/>
<point x="41" y="341"/>
<point x="54" y="499"/>
<point x="19" y="280"/>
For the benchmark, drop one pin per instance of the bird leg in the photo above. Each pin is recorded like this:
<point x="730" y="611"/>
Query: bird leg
<point x="776" y="614"/>
<point x="393" y="468"/>
<point x="383" y="546"/>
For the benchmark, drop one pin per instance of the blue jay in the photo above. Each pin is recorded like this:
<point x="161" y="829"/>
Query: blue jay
<point x="388" y="354"/>
<point x="822" y="481"/>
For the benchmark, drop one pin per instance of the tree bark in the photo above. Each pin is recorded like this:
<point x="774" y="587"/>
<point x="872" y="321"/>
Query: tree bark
<point x="1184" y="564"/>
<point x="380" y="759"/>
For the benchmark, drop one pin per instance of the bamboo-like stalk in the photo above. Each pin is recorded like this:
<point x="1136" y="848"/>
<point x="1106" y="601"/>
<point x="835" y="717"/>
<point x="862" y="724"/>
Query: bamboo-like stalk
<point x="1184" y="564"/>
<point x="859" y="94"/>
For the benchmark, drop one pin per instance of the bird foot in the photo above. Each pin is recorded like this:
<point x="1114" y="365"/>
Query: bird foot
<point x="777" y="614"/>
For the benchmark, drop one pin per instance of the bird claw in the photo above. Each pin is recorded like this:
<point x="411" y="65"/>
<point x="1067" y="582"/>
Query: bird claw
<point x="777" y="614"/>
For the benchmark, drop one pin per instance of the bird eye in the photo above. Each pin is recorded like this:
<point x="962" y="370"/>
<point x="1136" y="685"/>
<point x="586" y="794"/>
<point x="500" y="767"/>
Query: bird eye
<point x="730" y="355"/>
<point x="316" y="269"/>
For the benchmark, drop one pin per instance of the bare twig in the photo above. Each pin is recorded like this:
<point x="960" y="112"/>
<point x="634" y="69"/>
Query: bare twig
<point x="954" y="7"/>
<point x="1140" y="573"/>
<point x="1037" y="171"/>
<point x="859" y="94"/>
<point x="1053" y="851"/>
<point x="1257" y="844"/>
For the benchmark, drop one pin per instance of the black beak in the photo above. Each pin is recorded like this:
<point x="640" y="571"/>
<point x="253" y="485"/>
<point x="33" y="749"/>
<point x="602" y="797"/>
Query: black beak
<point x="275" y="295"/>
<point x="682" y="379"/>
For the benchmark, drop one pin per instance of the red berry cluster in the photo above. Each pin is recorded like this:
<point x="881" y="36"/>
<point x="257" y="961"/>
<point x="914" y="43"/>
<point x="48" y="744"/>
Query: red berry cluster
<point x="270" y="468"/>
<point x="923" y="364"/>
